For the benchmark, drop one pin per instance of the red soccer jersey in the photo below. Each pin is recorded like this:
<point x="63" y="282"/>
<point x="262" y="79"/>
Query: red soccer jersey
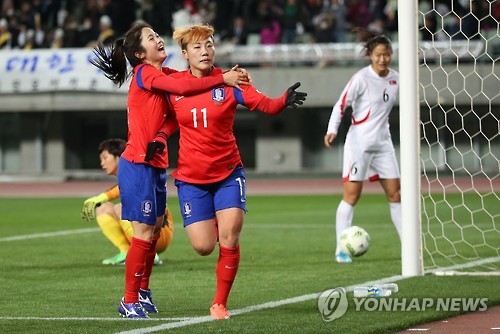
<point x="147" y="109"/>
<point x="208" y="152"/>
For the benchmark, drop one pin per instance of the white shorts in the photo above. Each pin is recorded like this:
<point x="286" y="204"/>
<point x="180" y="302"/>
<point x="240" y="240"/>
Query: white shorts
<point x="369" y="165"/>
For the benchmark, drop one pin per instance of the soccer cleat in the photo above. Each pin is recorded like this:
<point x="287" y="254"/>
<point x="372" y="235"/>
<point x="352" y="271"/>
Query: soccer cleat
<point x="219" y="312"/>
<point x="157" y="261"/>
<point x="132" y="310"/>
<point x="118" y="259"/>
<point x="146" y="300"/>
<point x="342" y="257"/>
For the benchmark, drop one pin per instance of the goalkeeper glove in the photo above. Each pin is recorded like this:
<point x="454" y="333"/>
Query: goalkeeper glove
<point x="294" y="98"/>
<point x="88" y="210"/>
<point x="153" y="146"/>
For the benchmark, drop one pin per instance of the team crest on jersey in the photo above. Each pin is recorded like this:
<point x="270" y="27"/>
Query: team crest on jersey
<point x="146" y="208"/>
<point x="187" y="209"/>
<point x="218" y="95"/>
<point x="393" y="82"/>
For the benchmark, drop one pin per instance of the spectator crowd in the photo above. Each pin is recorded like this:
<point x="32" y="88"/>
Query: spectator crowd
<point x="81" y="23"/>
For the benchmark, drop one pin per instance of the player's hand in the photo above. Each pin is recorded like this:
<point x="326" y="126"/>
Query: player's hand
<point x="244" y="71"/>
<point x="329" y="138"/>
<point x="88" y="210"/>
<point x="235" y="78"/>
<point x="153" y="146"/>
<point x="294" y="98"/>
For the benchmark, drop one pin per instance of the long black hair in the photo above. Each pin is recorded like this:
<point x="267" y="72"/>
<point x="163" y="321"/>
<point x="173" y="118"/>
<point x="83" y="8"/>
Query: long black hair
<point x="371" y="40"/>
<point x="113" y="61"/>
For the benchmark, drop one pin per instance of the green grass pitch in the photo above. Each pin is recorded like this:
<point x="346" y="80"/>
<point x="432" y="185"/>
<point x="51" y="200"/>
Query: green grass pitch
<point x="53" y="280"/>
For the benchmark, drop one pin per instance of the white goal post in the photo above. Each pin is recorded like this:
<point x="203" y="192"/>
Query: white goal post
<point x="411" y="243"/>
<point x="450" y="137"/>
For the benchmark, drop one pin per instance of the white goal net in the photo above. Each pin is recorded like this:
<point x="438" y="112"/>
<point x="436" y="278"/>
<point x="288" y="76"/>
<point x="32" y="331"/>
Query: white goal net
<point x="460" y="134"/>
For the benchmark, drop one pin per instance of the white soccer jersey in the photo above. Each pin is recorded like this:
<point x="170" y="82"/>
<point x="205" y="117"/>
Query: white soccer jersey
<point x="372" y="98"/>
<point x="368" y="150"/>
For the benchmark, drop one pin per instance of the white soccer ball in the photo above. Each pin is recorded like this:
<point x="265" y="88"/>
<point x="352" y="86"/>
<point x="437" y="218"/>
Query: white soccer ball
<point x="354" y="241"/>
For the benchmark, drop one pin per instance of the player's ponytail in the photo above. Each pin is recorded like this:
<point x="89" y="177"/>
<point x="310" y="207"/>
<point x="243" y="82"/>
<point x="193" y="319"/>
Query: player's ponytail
<point x="371" y="39"/>
<point x="111" y="61"/>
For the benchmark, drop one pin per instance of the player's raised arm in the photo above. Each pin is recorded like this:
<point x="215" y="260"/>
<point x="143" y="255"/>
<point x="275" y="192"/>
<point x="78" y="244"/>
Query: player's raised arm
<point x="253" y="99"/>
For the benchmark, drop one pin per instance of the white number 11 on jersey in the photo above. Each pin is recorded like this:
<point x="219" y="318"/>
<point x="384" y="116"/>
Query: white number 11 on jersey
<point x="195" y="117"/>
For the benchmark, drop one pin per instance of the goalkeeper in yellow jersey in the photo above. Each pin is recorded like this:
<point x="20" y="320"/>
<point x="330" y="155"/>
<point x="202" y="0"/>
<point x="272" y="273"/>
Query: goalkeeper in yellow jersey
<point x="108" y="214"/>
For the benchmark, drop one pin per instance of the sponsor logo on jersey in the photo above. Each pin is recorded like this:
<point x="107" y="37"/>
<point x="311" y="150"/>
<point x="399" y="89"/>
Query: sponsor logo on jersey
<point x="218" y="95"/>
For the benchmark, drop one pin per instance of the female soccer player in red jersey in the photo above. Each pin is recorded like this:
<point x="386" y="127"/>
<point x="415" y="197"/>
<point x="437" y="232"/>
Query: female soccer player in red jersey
<point x="209" y="175"/>
<point x="142" y="168"/>
<point x="368" y="150"/>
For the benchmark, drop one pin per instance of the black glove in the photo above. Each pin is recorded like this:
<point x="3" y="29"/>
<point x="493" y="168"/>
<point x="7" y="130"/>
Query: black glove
<point x="294" y="98"/>
<point x="153" y="146"/>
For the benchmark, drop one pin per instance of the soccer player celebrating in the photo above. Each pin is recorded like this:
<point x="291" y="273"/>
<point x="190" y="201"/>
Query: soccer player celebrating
<point x="209" y="176"/>
<point x="368" y="150"/>
<point x="108" y="214"/>
<point x="142" y="168"/>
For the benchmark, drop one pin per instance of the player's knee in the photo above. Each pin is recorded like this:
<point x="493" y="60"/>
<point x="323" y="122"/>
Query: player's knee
<point x="351" y="198"/>
<point x="105" y="208"/>
<point x="204" y="250"/>
<point x="394" y="196"/>
<point x="229" y="240"/>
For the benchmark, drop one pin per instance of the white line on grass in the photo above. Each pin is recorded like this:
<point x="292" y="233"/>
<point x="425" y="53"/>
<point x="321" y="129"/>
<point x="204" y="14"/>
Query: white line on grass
<point x="465" y="265"/>
<point x="417" y="329"/>
<point x="91" y="319"/>
<point x="50" y="234"/>
<point x="97" y="229"/>
<point x="274" y="304"/>
<point x="302" y="226"/>
<point x="289" y="226"/>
